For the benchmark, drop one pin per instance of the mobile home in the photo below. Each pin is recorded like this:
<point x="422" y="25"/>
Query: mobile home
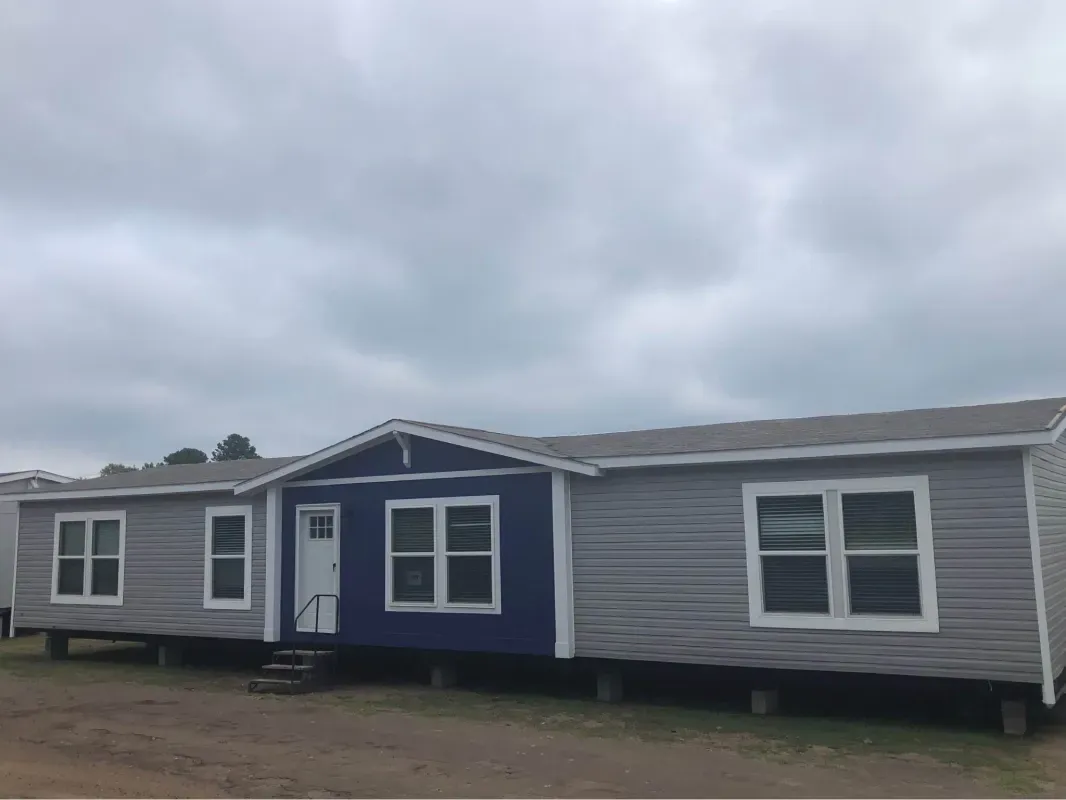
<point x="926" y="543"/>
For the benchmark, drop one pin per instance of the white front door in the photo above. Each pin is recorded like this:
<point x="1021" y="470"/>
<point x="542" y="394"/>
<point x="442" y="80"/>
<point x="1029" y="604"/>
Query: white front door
<point x="317" y="567"/>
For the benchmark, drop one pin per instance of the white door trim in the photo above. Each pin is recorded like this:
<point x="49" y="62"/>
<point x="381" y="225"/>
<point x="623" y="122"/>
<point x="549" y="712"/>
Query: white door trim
<point x="335" y="508"/>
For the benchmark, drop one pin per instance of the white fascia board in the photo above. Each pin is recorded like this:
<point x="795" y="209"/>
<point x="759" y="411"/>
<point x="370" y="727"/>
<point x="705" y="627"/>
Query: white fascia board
<point x="35" y="473"/>
<point x="133" y="491"/>
<point x="373" y="436"/>
<point x="828" y="450"/>
<point x="1059" y="429"/>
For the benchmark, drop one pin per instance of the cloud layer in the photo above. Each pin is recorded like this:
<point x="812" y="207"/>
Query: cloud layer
<point x="297" y="219"/>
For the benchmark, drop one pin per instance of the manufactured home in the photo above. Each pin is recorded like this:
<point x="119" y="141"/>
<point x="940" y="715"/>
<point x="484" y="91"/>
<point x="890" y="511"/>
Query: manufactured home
<point x="12" y="483"/>
<point x="923" y="543"/>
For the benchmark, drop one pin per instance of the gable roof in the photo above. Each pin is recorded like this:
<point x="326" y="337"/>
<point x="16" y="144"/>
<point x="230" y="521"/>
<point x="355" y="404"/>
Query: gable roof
<point x="179" y="478"/>
<point x="519" y="447"/>
<point x="1016" y="424"/>
<point x="29" y="474"/>
<point x="995" y="419"/>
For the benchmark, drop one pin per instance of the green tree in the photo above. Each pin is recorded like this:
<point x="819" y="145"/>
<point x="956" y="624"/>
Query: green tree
<point x="234" y="448"/>
<point x="115" y="468"/>
<point x="186" y="455"/>
<point x="151" y="464"/>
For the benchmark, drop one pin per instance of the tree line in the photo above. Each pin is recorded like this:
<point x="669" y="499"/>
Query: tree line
<point x="233" y="448"/>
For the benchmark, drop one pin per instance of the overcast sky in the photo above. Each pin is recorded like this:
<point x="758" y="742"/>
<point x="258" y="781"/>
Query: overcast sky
<point x="295" y="220"/>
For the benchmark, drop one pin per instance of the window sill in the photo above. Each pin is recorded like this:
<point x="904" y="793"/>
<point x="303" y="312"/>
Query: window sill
<point x="82" y="600"/>
<point x="228" y="605"/>
<point x="818" y="622"/>
<point x="446" y="608"/>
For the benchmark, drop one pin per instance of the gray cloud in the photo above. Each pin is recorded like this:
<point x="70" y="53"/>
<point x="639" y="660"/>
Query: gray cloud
<point x="297" y="219"/>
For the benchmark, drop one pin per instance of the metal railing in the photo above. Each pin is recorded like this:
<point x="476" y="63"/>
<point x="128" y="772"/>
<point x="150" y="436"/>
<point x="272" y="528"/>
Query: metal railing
<point x="317" y="600"/>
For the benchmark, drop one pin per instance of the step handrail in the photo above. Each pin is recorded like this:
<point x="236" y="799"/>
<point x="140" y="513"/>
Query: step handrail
<point x="317" y="600"/>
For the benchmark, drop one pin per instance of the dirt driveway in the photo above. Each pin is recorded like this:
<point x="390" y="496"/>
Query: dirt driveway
<point x="75" y="730"/>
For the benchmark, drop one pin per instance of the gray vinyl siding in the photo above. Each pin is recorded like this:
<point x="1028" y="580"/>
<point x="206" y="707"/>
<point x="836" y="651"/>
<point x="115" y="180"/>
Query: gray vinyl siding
<point x="660" y="571"/>
<point x="164" y="570"/>
<point x="1049" y="487"/>
<point x="8" y="517"/>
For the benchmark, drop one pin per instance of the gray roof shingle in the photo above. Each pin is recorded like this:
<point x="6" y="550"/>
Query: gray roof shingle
<point x="1024" y="416"/>
<point x="176" y="475"/>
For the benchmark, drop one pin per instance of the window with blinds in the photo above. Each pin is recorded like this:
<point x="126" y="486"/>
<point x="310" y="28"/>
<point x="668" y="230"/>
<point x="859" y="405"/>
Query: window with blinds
<point x="849" y="553"/>
<point x="227" y="571"/>
<point x="881" y="552"/>
<point x="443" y="554"/>
<point x="793" y="552"/>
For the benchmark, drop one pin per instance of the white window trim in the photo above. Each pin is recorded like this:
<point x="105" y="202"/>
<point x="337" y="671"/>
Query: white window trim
<point x="839" y="618"/>
<point x="440" y="560"/>
<point x="86" y="599"/>
<point x="245" y="603"/>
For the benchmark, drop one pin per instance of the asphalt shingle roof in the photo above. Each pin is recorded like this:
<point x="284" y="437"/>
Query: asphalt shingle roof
<point x="1024" y="416"/>
<point x="178" y="474"/>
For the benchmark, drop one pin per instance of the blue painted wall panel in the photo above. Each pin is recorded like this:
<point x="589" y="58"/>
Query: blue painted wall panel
<point x="427" y="455"/>
<point x="527" y="621"/>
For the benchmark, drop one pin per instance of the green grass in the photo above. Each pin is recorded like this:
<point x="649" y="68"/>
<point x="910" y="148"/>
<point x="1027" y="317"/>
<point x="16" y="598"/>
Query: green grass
<point x="1006" y="762"/>
<point x="91" y="661"/>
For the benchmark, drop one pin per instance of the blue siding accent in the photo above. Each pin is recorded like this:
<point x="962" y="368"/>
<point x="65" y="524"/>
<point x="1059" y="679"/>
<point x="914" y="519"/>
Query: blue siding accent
<point x="427" y="455"/>
<point x="526" y="623"/>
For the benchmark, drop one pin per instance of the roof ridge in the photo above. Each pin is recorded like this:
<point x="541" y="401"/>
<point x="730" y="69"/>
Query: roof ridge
<point x="816" y="417"/>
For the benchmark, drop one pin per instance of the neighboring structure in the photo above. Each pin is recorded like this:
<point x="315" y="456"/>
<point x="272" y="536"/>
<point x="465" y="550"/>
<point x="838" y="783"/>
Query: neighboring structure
<point x="926" y="543"/>
<point x="15" y="483"/>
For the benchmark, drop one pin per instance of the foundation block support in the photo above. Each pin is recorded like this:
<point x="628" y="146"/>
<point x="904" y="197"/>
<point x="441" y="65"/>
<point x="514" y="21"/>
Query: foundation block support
<point x="764" y="701"/>
<point x="609" y="687"/>
<point x="1015" y="721"/>
<point x="442" y="676"/>
<point x="56" y="646"/>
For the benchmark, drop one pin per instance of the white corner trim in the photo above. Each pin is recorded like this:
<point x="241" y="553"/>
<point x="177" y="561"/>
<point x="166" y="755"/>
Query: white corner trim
<point x="376" y="435"/>
<point x="839" y="618"/>
<point x="563" y="565"/>
<point x="245" y="603"/>
<point x="14" y="576"/>
<point x="272" y="601"/>
<point x="1047" y="684"/>
<point x="85" y="598"/>
<point x="136" y="491"/>
<point x="420" y="476"/>
<point x="827" y="450"/>
<point x="440" y="602"/>
<point x="298" y="533"/>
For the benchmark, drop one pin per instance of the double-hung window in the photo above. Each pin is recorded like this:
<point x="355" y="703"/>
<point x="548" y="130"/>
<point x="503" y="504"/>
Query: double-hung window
<point x="443" y="554"/>
<point x="847" y="554"/>
<point x="89" y="558"/>
<point x="228" y="557"/>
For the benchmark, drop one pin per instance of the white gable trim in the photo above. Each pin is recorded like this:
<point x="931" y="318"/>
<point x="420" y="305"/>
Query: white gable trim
<point x="374" y="436"/>
<point x="35" y="473"/>
<point x="829" y="450"/>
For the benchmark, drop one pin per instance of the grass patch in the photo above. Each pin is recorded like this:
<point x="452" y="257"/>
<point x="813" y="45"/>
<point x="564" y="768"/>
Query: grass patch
<point x="1006" y="762"/>
<point x="92" y="661"/>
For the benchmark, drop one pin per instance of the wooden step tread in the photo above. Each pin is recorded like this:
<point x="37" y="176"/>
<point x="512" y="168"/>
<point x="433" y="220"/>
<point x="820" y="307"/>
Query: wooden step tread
<point x="290" y="667"/>
<point x="305" y="653"/>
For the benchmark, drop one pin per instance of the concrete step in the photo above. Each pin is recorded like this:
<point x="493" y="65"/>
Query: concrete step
<point x="280" y="685"/>
<point x="297" y="668"/>
<point x="311" y="654"/>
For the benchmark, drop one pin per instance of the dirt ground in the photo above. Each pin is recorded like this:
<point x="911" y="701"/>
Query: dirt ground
<point x="113" y="735"/>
